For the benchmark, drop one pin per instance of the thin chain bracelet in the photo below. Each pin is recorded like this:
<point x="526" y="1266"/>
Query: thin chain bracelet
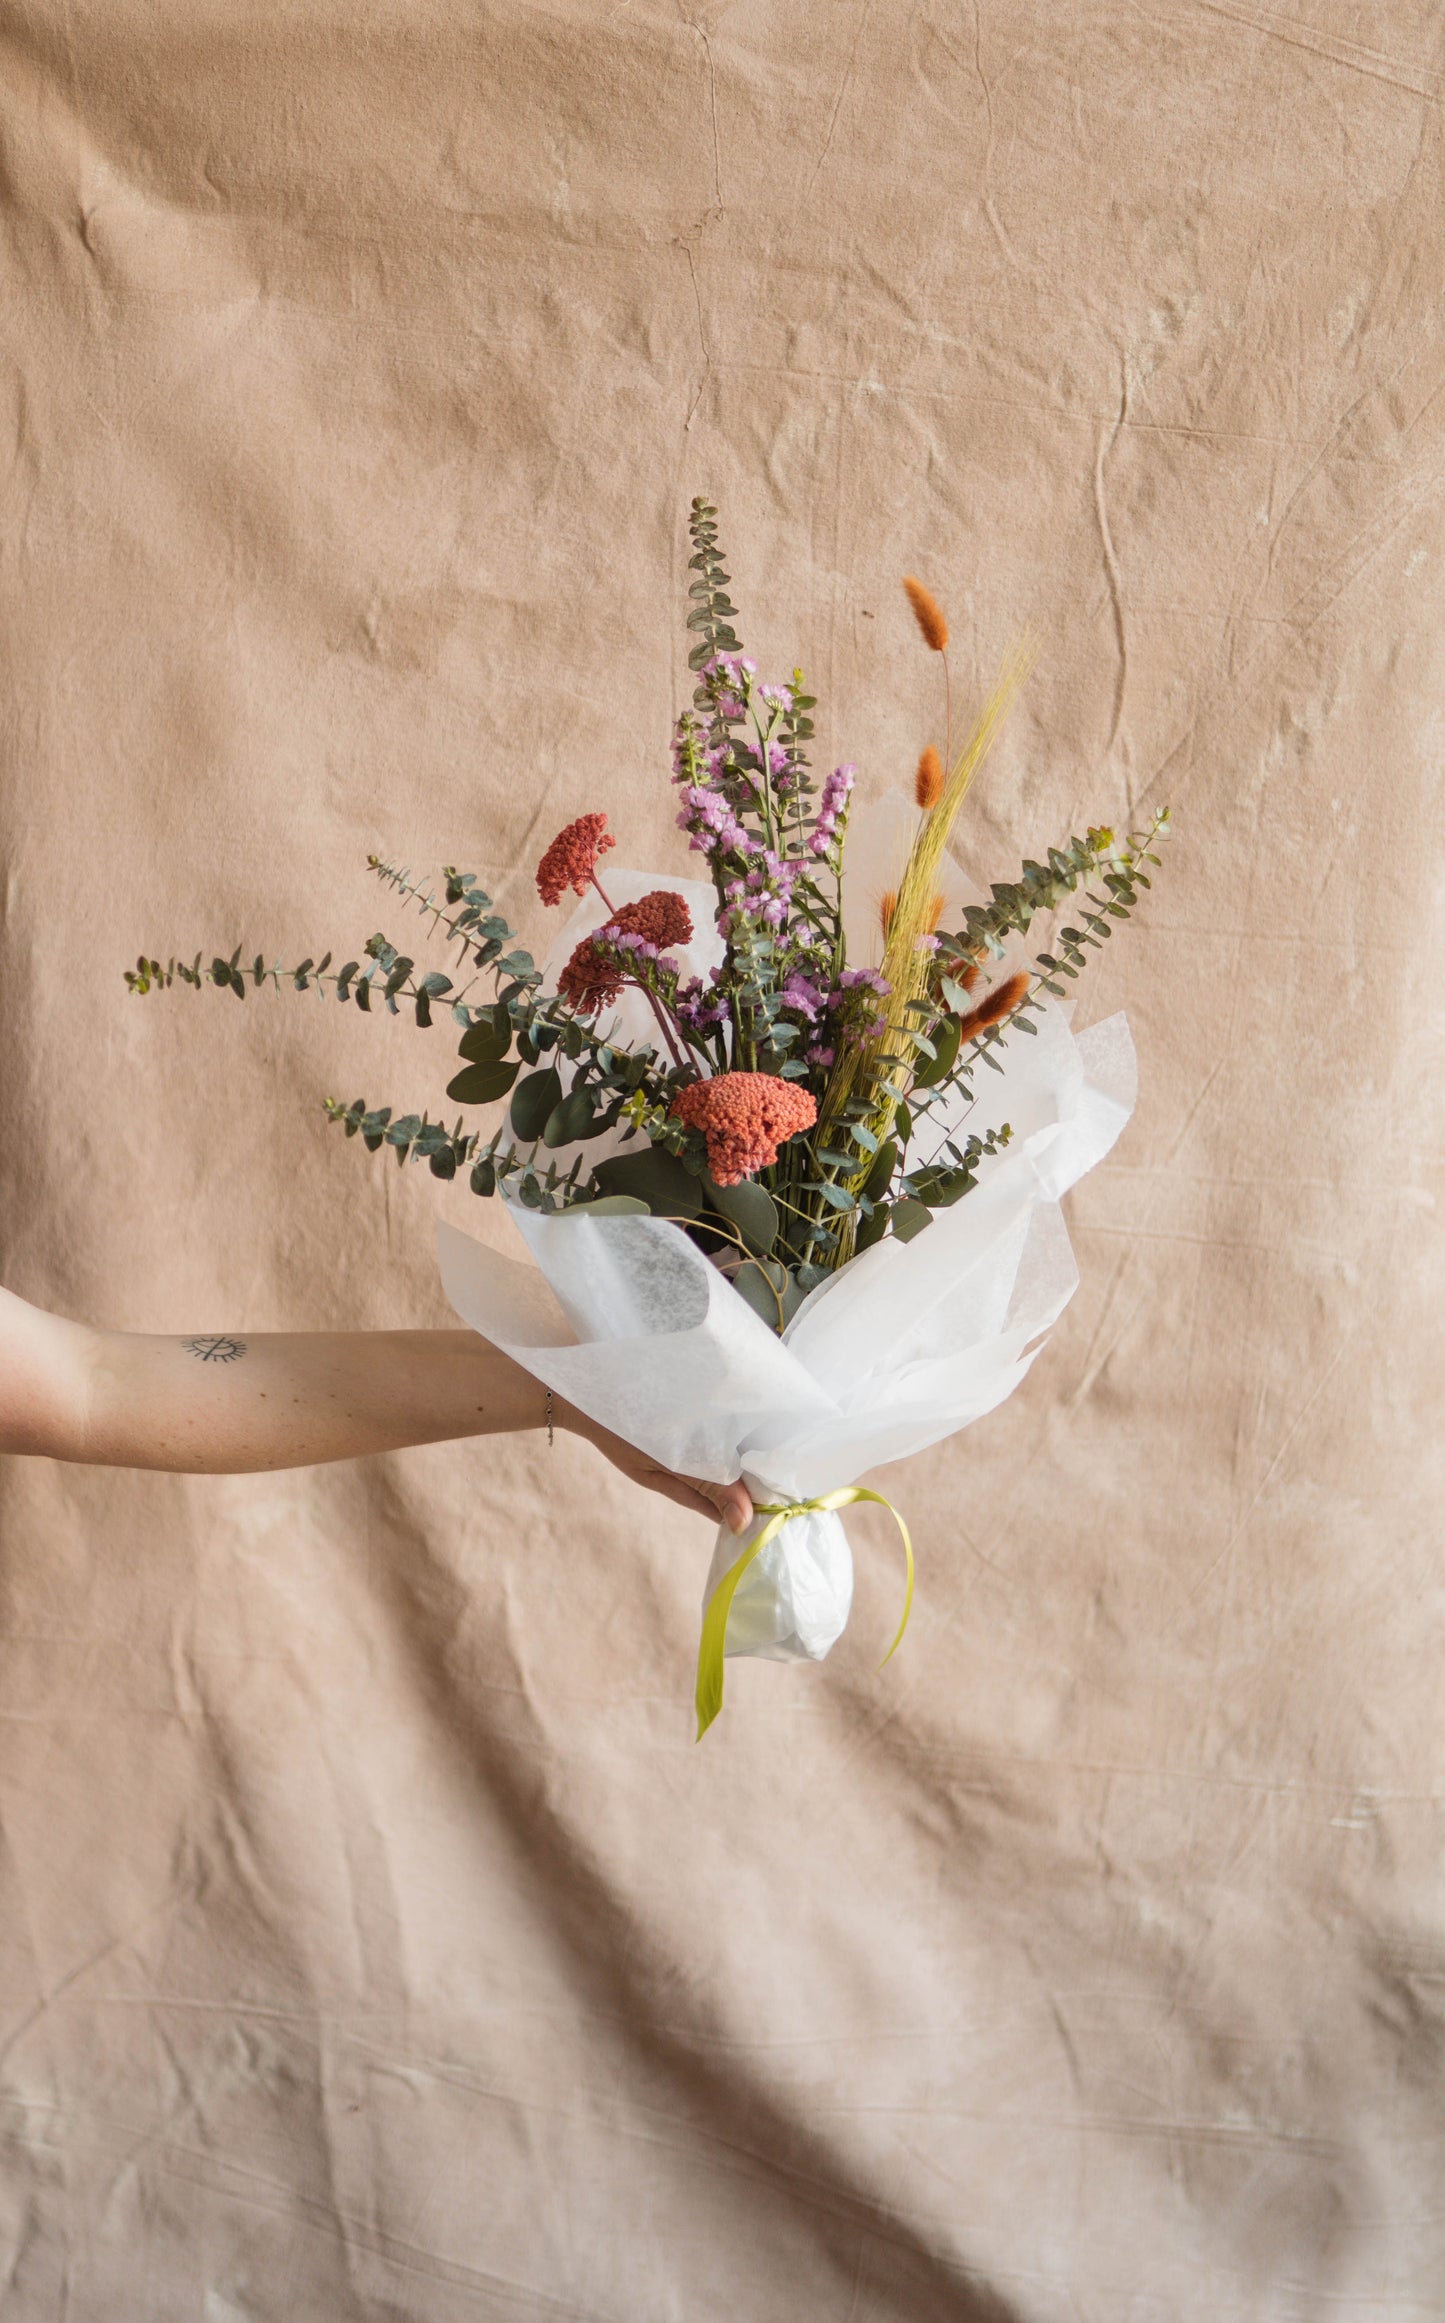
<point x="549" y="1419"/>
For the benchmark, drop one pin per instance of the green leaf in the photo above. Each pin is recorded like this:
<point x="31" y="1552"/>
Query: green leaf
<point x="871" y="1230"/>
<point x="793" y="1297"/>
<point x="909" y="1218"/>
<point x="488" y="1038"/>
<point x="607" y="1206"/>
<point x="655" y="1177"/>
<point x="752" y="1283"/>
<point x="940" y="1189"/>
<point x="570" y="1120"/>
<point x="533" y="1100"/>
<point x="482" y="1084"/>
<point x="945" y="1054"/>
<point x="875" y="1185"/>
<point x="749" y="1207"/>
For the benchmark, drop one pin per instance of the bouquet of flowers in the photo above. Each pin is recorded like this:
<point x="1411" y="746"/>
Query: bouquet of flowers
<point x="786" y="1147"/>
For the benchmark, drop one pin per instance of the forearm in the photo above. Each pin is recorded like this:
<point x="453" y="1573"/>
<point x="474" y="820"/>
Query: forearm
<point x="290" y="1399"/>
<point x="223" y="1404"/>
<point x="249" y="1400"/>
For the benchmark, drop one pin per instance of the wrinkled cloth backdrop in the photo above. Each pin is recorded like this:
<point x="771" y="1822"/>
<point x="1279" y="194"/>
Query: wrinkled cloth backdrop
<point x="375" y="1941"/>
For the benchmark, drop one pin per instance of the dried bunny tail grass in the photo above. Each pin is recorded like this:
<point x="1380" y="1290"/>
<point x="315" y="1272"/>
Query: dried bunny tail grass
<point x="928" y="782"/>
<point x="928" y="613"/>
<point x="906" y="962"/>
<point x="920" y="882"/>
<point x="994" y="1007"/>
<point x="888" y="905"/>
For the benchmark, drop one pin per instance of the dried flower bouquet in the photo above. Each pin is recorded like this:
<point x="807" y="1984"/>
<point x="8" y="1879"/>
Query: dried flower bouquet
<point x="734" y="1107"/>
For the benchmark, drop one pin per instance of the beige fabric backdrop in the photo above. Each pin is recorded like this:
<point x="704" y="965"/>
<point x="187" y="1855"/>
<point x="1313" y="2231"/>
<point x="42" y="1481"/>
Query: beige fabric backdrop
<point x="375" y="1942"/>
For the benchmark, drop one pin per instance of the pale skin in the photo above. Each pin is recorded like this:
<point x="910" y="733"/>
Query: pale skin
<point x="224" y="1403"/>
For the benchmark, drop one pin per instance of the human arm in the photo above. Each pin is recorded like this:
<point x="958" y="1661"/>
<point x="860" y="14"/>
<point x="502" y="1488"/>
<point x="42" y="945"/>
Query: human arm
<point x="225" y="1403"/>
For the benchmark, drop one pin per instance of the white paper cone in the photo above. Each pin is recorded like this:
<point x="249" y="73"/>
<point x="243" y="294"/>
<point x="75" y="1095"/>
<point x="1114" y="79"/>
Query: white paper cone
<point x="627" y="1319"/>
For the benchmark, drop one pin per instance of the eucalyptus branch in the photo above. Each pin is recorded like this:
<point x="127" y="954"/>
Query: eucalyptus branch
<point x="391" y="979"/>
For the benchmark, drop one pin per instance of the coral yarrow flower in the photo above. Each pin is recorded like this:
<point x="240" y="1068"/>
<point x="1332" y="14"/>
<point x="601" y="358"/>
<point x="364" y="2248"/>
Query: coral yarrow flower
<point x="594" y="976"/>
<point x="591" y="978"/>
<point x="661" y="918"/>
<point x="572" y="858"/>
<point x="745" y="1117"/>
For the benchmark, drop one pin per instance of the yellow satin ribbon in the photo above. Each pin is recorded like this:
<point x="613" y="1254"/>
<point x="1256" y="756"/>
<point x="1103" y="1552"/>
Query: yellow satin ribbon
<point x="715" y="1620"/>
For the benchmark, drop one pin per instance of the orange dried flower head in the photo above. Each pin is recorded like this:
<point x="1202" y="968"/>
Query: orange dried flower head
<point x="660" y="917"/>
<point x="594" y="976"/>
<point x="744" y="1117"/>
<point x="928" y="613"/>
<point x="888" y="905"/>
<point x="572" y="858"/>
<point x="933" y="915"/>
<point x="928" y="782"/>
<point x="591" y="979"/>
<point x="993" y="1008"/>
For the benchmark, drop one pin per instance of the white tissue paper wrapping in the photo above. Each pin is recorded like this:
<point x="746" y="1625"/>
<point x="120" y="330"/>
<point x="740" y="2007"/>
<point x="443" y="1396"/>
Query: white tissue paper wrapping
<point x="627" y="1319"/>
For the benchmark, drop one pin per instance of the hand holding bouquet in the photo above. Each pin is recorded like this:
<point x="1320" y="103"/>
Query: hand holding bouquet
<point x="786" y="1146"/>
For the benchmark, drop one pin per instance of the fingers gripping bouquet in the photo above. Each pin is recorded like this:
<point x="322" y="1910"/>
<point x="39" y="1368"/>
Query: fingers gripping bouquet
<point x="787" y="1143"/>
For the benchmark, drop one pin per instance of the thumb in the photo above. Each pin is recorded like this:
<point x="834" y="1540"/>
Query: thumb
<point x="733" y="1503"/>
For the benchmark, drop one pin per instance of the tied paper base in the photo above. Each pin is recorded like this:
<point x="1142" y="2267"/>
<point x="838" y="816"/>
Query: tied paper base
<point x="794" y="1600"/>
<point x="626" y="1318"/>
<point x="776" y="1524"/>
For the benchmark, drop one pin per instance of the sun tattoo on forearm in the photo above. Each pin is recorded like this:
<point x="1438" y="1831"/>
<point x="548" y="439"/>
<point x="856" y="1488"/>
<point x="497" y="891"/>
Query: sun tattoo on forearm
<point x="217" y="1350"/>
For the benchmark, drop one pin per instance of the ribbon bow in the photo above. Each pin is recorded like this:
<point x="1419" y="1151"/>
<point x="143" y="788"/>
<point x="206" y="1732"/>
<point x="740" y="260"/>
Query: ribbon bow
<point x="715" y="1620"/>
